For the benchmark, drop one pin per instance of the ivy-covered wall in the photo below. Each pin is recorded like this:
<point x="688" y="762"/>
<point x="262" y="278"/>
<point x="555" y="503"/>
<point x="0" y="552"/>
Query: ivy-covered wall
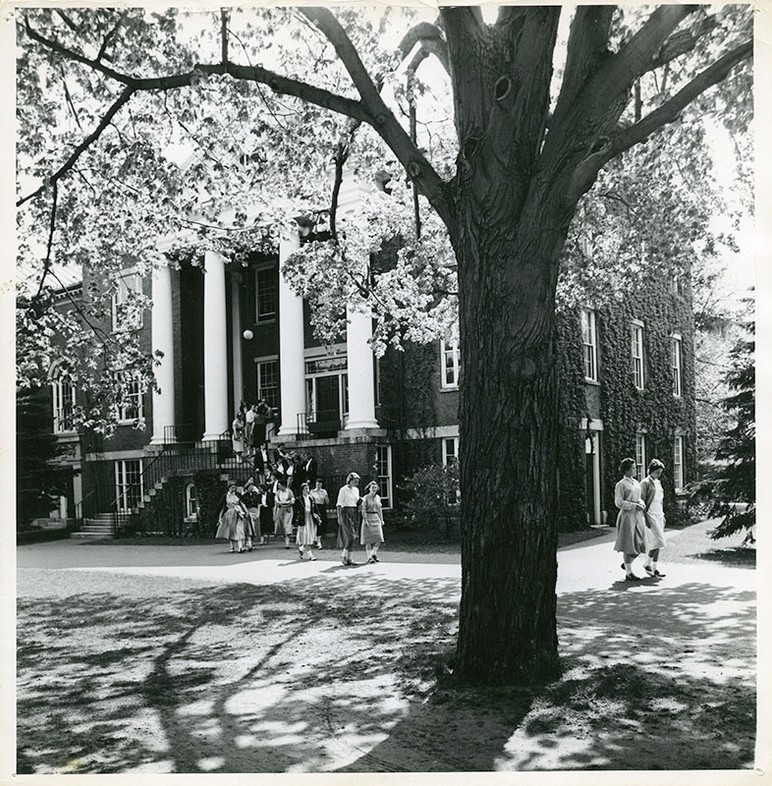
<point x="572" y="502"/>
<point x="655" y="411"/>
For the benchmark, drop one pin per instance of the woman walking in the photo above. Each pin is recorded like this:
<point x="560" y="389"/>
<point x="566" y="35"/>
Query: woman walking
<point x="348" y="517"/>
<point x="267" y="523"/>
<point x="231" y="525"/>
<point x="631" y="523"/>
<point x="305" y="520"/>
<point x="372" y="522"/>
<point x="251" y="501"/>
<point x="284" y="502"/>
<point x="322" y="500"/>
<point x="653" y="496"/>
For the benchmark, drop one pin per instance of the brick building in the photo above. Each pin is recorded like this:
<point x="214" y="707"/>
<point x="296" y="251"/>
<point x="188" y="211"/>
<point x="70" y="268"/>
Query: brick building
<point x="238" y="332"/>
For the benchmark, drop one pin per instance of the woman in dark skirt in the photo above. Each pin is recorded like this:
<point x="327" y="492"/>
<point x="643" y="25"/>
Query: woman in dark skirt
<point x="348" y="517"/>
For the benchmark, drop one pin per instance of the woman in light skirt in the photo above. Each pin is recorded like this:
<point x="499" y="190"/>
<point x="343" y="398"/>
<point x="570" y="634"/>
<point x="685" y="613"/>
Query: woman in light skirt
<point x="372" y="522"/>
<point x="232" y="523"/>
<point x="653" y="496"/>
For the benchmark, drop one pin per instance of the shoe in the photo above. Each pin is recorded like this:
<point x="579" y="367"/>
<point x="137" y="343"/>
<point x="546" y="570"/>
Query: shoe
<point x="351" y="562"/>
<point x="319" y="546"/>
<point x="311" y="557"/>
<point x="343" y="561"/>
<point x="375" y="558"/>
<point x="658" y="575"/>
<point x="650" y="570"/>
<point x="623" y="566"/>
<point x="632" y="577"/>
<point x="371" y="561"/>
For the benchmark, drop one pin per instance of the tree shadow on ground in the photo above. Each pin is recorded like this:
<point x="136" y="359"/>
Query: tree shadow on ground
<point x="738" y="557"/>
<point x="330" y="676"/>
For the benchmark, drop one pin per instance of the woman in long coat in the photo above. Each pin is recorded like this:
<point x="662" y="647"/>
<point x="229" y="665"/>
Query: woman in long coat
<point x="372" y="522"/>
<point x="284" y="503"/>
<point x="631" y="523"/>
<point x="232" y="523"/>
<point x="653" y="496"/>
<point x="306" y="519"/>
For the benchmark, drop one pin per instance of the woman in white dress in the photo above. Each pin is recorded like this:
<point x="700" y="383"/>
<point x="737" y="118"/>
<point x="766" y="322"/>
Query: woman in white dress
<point x="631" y="524"/>
<point x="372" y="522"/>
<point x="653" y="496"/>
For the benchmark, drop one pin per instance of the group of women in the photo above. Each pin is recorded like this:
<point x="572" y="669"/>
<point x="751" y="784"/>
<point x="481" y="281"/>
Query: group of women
<point x="641" y="519"/>
<point x="360" y="519"/>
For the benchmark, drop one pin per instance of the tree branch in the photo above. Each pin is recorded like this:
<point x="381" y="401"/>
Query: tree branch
<point x="432" y="42"/>
<point x="587" y="45"/>
<point x="224" y="34"/>
<point x="682" y="42"/>
<point x="380" y="116"/>
<point x="109" y="38"/>
<point x="92" y="137"/>
<point x="610" y="147"/>
<point x="371" y="109"/>
<point x="635" y="58"/>
<point x="71" y="54"/>
<point x="672" y="108"/>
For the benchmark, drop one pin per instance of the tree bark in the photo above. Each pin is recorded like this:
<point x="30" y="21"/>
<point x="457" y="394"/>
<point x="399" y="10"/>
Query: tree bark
<point x="509" y="431"/>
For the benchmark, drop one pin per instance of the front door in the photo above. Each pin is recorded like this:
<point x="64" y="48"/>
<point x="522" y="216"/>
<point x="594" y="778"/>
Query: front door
<point x="327" y="399"/>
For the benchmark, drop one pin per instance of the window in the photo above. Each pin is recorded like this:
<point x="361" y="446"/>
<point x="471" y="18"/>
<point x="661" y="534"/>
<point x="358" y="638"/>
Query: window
<point x="450" y="361"/>
<point x="266" y="294"/>
<point x="449" y="450"/>
<point x="678" y="462"/>
<point x="590" y="345"/>
<point x="383" y="472"/>
<point x="64" y="406"/>
<point x="268" y="381"/>
<point x="126" y="312"/>
<point x="675" y="353"/>
<point x="637" y="353"/>
<point x="640" y="455"/>
<point x="130" y="404"/>
<point x="128" y="484"/>
<point x="191" y="501"/>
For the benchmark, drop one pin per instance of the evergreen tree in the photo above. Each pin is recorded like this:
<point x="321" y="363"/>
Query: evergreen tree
<point x="732" y="490"/>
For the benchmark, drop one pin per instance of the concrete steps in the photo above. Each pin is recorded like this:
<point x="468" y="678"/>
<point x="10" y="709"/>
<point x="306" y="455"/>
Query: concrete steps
<point x="99" y="527"/>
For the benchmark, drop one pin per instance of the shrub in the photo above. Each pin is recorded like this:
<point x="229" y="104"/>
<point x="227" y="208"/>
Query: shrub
<point x="431" y="497"/>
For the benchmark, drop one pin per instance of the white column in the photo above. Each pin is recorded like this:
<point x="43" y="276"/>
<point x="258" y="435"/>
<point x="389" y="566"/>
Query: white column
<point x="215" y="347"/>
<point x="162" y="338"/>
<point x="238" y="372"/>
<point x="361" y="386"/>
<point x="291" y="356"/>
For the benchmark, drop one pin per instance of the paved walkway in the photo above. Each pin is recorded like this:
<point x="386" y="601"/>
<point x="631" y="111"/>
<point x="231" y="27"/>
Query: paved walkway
<point x="584" y="566"/>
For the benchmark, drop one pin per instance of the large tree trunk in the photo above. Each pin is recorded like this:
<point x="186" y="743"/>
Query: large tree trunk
<point x="509" y="427"/>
